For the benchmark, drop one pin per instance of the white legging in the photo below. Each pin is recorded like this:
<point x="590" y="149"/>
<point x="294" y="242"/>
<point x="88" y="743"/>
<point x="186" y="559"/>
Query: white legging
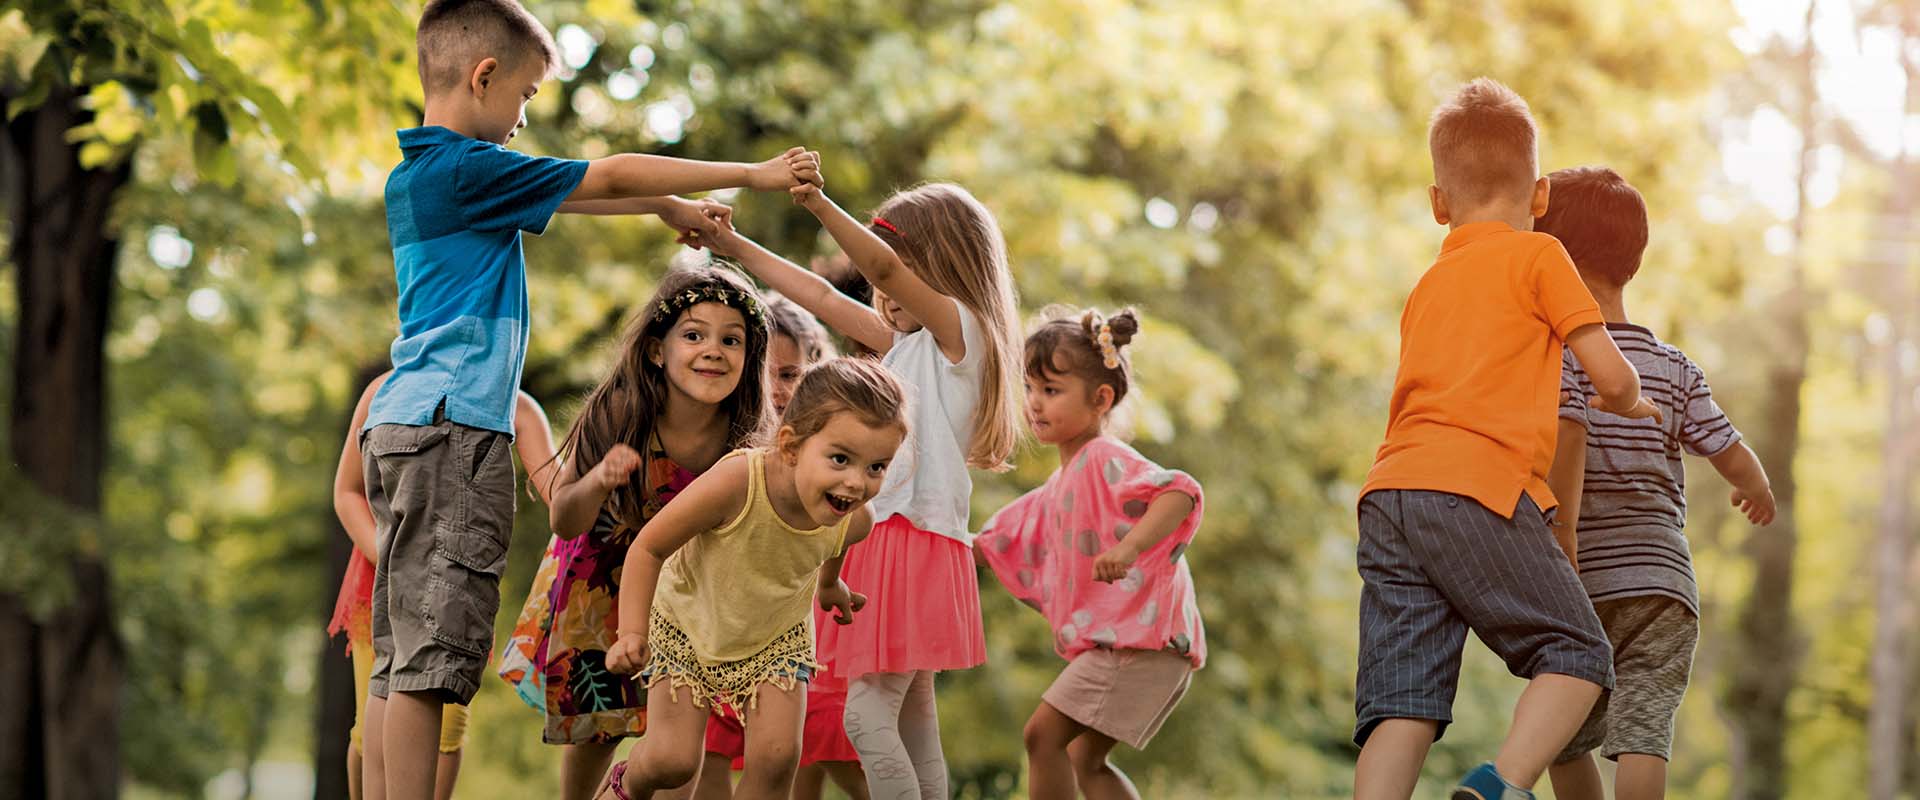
<point x="893" y="721"/>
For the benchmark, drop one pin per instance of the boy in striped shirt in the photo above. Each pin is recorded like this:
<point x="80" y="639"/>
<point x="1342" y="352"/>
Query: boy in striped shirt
<point x="1626" y="478"/>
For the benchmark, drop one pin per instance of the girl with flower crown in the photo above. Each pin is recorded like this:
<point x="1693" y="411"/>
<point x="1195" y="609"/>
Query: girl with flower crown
<point x="687" y="387"/>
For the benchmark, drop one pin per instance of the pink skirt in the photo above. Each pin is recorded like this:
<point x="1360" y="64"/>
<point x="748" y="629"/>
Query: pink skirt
<point x="923" y="606"/>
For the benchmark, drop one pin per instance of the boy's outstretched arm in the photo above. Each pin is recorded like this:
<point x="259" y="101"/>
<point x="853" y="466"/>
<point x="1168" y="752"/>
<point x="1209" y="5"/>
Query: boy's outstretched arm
<point x="852" y="318"/>
<point x="1568" y="479"/>
<point x="1613" y="377"/>
<point x="1752" y="492"/>
<point x="635" y="175"/>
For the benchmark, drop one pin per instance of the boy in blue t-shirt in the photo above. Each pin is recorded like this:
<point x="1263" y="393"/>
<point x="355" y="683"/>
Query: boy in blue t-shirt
<point x="439" y="477"/>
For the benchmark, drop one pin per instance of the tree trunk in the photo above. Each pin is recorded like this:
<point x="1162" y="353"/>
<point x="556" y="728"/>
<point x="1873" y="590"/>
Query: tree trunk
<point x="1769" y="643"/>
<point x="1889" y="717"/>
<point x="63" y="675"/>
<point x="338" y="703"/>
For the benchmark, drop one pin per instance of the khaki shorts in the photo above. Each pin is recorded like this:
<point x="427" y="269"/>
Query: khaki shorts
<point x="1125" y="694"/>
<point x="1653" y="639"/>
<point x="442" y="498"/>
<point x="453" y="719"/>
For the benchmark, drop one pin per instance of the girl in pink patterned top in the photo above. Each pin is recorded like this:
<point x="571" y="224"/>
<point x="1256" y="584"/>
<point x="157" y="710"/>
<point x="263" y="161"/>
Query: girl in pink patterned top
<point x="1099" y="551"/>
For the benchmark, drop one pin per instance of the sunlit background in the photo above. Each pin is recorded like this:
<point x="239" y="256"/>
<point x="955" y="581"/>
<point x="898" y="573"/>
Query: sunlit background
<point x="1250" y="175"/>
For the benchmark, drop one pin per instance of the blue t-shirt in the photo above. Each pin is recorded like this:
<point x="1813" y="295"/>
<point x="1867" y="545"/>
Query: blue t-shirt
<point x="455" y="209"/>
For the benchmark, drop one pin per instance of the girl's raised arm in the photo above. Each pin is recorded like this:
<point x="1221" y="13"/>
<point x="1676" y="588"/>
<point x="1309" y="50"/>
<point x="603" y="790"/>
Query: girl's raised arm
<point x="852" y="318"/>
<point x="883" y="268"/>
<point x="712" y="500"/>
<point x="533" y="438"/>
<point x="350" y="481"/>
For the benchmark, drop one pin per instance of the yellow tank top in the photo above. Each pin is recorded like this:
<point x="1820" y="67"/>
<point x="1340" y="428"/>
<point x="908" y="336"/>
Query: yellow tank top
<point x="736" y="588"/>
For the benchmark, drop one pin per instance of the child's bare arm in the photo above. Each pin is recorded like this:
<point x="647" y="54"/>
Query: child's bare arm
<point x="709" y="502"/>
<point x="1568" y="479"/>
<point x="1613" y="377"/>
<point x="883" y="268"/>
<point x="578" y="497"/>
<point x="688" y="217"/>
<point x="855" y="319"/>
<point x="349" y="482"/>
<point x="533" y="438"/>
<point x="833" y="594"/>
<point x="1161" y="520"/>
<point x="1752" y="492"/>
<point x="629" y="175"/>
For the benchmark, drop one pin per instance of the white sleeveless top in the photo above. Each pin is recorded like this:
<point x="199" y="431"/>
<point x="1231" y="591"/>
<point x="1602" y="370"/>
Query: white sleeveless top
<point x="928" y="481"/>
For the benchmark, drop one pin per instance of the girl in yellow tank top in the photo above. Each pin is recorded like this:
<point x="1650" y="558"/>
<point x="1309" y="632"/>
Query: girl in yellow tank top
<point x="714" y="593"/>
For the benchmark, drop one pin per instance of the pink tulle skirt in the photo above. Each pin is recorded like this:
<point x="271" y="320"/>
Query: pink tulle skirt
<point x="923" y="606"/>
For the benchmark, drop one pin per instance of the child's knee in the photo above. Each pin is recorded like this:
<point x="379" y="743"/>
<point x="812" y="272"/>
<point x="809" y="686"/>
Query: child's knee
<point x="667" y="768"/>
<point x="1040" y="734"/>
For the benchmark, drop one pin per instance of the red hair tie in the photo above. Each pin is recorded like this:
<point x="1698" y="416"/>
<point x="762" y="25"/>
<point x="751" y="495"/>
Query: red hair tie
<point x="882" y="222"/>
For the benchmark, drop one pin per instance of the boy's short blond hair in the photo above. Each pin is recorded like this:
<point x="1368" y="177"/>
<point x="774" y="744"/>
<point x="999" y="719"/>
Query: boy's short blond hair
<point x="1483" y="143"/>
<point x="454" y="35"/>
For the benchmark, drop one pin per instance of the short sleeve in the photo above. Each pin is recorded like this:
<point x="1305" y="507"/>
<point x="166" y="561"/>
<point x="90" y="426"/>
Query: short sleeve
<point x="1704" y="428"/>
<point x="1574" y="391"/>
<point x="1563" y="299"/>
<point x="1135" y="483"/>
<point x="499" y="189"/>
<point x="972" y="336"/>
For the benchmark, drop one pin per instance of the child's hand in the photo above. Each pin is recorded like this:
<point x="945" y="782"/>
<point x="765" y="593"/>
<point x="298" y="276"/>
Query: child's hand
<point x="695" y="220"/>
<point x="1642" y="408"/>
<point x="1758" y="507"/>
<point x="616" y="468"/>
<point x="628" y="655"/>
<point x="1113" y="564"/>
<point x="789" y="169"/>
<point x="806" y="193"/>
<point x="841" y="601"/>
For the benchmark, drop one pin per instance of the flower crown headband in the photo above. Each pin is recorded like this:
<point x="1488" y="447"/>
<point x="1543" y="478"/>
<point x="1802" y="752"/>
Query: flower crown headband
<point x="711" y="293"/>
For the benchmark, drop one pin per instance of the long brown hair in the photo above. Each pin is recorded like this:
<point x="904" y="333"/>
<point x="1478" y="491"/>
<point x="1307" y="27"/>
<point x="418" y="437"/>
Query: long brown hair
<point x="628" y="403"/>
<point x="951" y="241"/>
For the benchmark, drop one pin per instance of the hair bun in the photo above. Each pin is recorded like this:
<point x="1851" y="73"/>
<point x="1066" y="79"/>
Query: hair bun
<point x="1123" y="325"/>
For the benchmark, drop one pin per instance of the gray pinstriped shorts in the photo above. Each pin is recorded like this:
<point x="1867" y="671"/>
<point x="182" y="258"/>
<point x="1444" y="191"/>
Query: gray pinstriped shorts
<point x="1436" y="565"/>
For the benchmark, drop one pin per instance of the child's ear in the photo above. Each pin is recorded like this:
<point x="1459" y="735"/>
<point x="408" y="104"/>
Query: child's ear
<point x="1103" y="398"/>
<point x="1541" y="189"/>
<point x="1438" y="200"/>
<point x="656" y="354"/>
<point x="786" y="445"/>
<point x="483" y="75"/>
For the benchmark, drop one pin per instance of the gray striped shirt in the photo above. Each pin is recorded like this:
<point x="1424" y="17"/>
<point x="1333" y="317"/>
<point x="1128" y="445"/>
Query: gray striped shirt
<point x="1633" y="511"/>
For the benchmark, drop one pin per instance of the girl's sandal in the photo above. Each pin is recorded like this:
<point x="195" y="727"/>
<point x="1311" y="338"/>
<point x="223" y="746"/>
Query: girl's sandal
<point x="615" y="781"/>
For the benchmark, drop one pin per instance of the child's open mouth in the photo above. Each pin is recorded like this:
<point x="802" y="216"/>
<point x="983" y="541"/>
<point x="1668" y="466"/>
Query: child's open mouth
<point x="841" y="504"/>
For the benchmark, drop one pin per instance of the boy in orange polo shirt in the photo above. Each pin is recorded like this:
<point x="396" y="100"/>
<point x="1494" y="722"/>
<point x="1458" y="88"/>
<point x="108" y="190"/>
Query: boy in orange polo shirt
<point x="1454" y="525"/>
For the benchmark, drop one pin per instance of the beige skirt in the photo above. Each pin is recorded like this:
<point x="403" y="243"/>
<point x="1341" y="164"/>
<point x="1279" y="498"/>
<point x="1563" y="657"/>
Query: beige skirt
<point x="1124" y="694"/>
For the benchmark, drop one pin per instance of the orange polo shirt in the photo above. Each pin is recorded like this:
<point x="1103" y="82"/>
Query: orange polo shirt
<point x="1475" y="401"/>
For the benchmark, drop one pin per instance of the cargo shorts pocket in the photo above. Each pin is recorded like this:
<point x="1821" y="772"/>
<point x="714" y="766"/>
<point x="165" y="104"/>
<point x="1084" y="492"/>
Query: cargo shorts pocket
<point x="463" y="592"/>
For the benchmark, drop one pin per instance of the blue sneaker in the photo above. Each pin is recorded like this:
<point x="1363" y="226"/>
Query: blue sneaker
<point x="1485" y="783"/>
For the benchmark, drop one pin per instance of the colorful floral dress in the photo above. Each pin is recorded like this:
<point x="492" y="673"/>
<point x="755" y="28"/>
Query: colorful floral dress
<point x="1043" y="545"/>
<point x="584" y="702"/>
<point x="517" y="662"/>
